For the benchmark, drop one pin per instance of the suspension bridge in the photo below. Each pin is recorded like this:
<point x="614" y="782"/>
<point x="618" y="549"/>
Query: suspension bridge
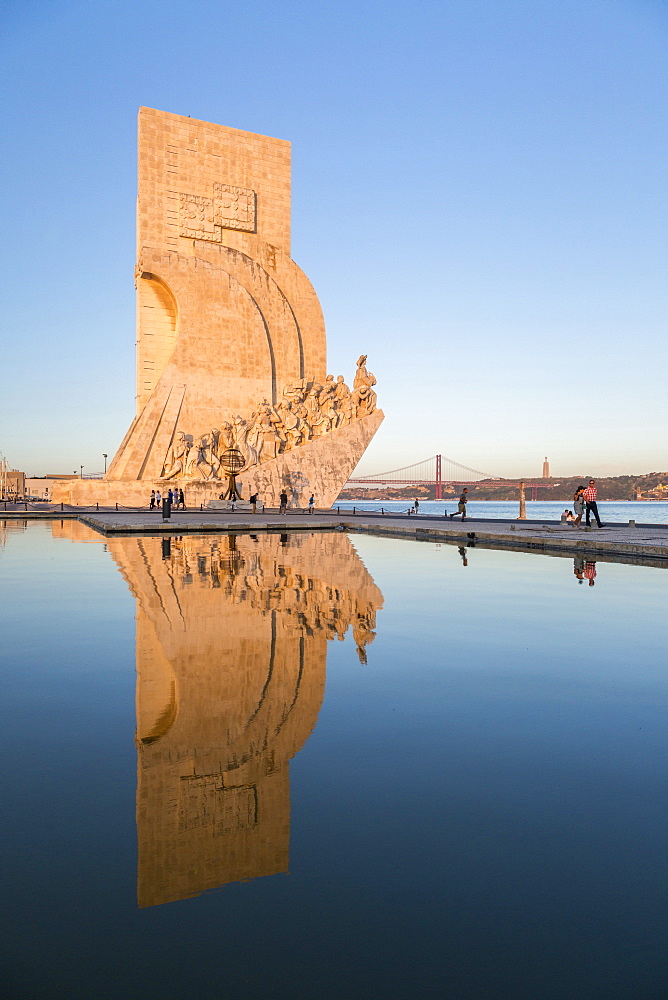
<point x="438" y="471"/>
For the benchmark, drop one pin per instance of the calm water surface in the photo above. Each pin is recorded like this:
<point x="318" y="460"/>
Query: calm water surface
<point x="610" y="511"/>
<point x="315" y="766"/>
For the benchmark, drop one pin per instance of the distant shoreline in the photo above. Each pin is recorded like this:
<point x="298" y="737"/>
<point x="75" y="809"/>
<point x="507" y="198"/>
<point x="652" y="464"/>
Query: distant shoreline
<point x="651" y="487"/>
<point x="452" y="499"/>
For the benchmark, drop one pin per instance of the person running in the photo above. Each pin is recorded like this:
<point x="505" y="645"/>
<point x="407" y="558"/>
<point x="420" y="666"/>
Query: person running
<point x="461" y="507"/>
<point x="311" y="504"/>
<point x="589" y="497"/>
<point x="283" y="509"/>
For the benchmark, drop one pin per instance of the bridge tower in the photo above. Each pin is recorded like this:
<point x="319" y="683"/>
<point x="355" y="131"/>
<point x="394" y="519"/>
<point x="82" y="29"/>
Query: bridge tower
<point x="439" y="480"/>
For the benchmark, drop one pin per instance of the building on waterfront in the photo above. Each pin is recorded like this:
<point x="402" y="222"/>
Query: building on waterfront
<point x="231" y="350"/>
<point x="12" y="482"/>
<point x="42" y="487"/>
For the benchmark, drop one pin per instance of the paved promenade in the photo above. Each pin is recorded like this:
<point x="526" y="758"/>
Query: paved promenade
<point x="642" y="543"/>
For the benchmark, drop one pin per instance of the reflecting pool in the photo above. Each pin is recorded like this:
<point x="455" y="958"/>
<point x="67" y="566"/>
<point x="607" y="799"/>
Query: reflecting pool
<point x="321" y="765"/>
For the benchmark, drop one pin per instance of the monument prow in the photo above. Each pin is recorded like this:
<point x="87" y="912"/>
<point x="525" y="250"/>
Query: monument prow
<point x="231" y="352"/>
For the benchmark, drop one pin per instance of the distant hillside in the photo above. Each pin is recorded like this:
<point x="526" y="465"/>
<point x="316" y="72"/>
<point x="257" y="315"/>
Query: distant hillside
<point x="653" y="486"/>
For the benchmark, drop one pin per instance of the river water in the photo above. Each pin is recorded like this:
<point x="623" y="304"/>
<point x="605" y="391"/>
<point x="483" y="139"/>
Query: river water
<point x="612" y="511"/>
<point x="319" y="766"/>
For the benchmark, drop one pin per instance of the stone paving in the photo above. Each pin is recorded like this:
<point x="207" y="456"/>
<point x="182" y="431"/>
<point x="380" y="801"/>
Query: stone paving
<point x="642" y="543"/>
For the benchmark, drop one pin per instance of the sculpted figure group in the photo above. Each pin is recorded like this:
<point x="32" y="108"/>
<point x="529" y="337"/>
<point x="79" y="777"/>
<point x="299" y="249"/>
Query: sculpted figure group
<point x="309" y="603"/>
<point x="307" y="411"/>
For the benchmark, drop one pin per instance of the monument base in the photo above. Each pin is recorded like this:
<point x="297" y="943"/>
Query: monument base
<point x="322" y="467"/>
<point x="231" y="506"/>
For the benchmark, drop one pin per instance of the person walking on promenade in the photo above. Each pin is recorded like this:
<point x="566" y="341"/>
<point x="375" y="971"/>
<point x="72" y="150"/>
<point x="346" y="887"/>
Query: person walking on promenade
<point x="283" y="509"/>
<point x="589" y="497"/>
<point x="253" y="502"/>
<point x="461" y="508"/>
<point x="158" y="499"/>
<point x="152" y="501"/>
<point x="182" y="500"/>
<point x="416" y="505"/>
<point x="578" y="505"/>
<point x="311" y="504"/>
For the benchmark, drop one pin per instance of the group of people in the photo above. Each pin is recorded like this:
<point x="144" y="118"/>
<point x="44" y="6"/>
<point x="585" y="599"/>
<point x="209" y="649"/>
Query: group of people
<point x="584" y="569"/>
<point x="175" y="498"/>
<point x="283" y="502"/>
<point x="262" y="573"/>
<point x="584" y="502"/>
<point x="308" y="410"/>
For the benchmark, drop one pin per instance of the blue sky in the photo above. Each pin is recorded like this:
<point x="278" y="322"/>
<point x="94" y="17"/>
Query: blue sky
<point x="478" y="199"/>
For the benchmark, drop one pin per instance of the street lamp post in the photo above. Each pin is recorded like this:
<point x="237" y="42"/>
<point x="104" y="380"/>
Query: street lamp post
<point x="81" y="469"/>
<point x="105" y="462"/>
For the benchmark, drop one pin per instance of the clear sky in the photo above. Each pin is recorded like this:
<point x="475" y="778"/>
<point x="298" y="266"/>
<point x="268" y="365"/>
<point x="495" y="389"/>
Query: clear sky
<point x="479" y="198"/>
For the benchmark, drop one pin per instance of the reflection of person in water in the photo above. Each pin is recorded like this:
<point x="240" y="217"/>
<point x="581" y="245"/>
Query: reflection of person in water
<point x="462" y="552"/>
<point x="578" y="568"/>
<point x="590" y="572"/>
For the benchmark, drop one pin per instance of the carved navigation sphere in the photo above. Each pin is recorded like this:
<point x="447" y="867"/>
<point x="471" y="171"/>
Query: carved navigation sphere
<point x="232" y="461"/>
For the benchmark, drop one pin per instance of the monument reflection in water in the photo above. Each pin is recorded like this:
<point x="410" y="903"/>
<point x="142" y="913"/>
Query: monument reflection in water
<point x="232" y="636"/>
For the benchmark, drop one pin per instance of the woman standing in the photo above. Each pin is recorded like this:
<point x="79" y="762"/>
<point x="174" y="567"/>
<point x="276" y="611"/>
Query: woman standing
<point x="578" y="505"/>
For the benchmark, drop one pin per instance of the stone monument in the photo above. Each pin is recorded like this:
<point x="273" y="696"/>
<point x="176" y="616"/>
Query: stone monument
<point x="230" y="334"/>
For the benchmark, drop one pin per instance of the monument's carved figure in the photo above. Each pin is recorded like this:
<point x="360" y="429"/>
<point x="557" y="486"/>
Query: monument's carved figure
<point x="364" y="397"/>
<point x="308" y="410"/>
<point x="230" y="334"/>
